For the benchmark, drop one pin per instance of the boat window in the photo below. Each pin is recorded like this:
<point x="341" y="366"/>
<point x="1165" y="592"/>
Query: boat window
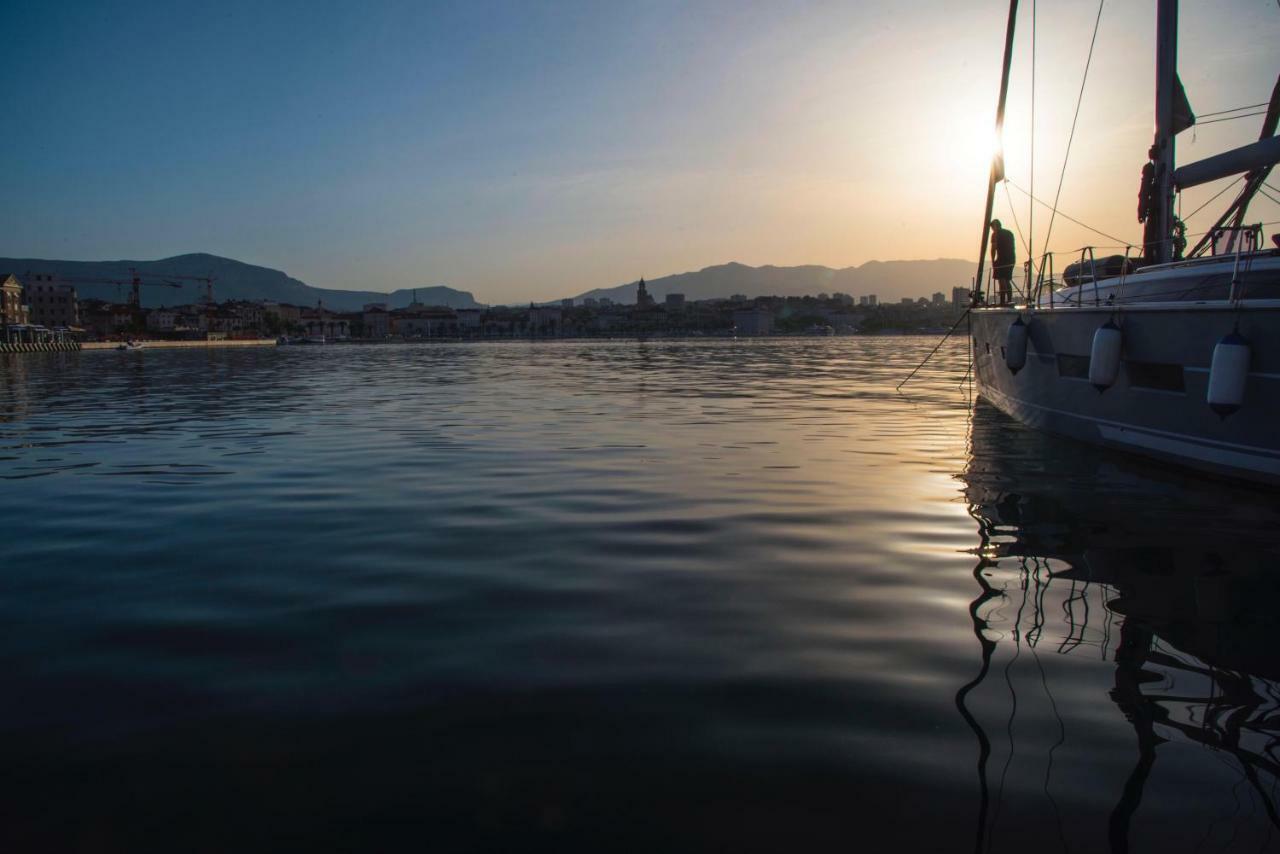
<point x="1156" y="375"/>
<point x="1075" y="367"/>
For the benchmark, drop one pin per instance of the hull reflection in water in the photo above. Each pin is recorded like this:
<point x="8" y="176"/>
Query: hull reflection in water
<point x="1085" y="555"/>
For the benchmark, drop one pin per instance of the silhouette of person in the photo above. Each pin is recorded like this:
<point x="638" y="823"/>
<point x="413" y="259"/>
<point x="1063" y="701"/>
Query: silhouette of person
<point x="1003" y="257"/>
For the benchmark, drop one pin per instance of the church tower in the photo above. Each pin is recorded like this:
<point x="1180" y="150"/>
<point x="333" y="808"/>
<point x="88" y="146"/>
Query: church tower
<point x="643" y="300"/>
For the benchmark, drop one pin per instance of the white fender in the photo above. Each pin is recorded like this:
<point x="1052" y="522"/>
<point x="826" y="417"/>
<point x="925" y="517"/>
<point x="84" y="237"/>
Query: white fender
<point x="1015" y="346"/>
<point x="1104" y="356"/>
<point x="1228" y="373"/>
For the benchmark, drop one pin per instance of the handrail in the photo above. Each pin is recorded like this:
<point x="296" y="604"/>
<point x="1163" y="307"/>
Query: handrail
<point x="1124" y="274"/>
<point x="1093" y="273"/>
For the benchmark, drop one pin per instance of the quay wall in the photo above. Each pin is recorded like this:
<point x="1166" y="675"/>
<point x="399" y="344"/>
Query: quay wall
<point x="51" y="347"/>
<point x="173" y="345"/>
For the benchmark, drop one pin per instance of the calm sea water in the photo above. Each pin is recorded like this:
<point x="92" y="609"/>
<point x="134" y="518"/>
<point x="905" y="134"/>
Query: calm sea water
<point x="721" y="595"/>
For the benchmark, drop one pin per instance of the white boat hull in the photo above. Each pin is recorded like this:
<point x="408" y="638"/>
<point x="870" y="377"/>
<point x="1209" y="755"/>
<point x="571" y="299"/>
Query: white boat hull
<point x="1157" y="406"/>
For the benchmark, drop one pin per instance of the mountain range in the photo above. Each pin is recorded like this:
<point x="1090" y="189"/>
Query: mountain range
<point x="889" y="280"/>
<point x="233" y="280"/>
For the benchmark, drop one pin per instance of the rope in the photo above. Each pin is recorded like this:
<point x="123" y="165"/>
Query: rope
<point x="1230" y="118"/>
<point x="1215" y="198"/>
<point x="1014" y="214"/>
<point x="1234" y="110"/>
<point x="1074" y="119"/>
<point x="1070" y="218"/>
<point x="935" y="349"/>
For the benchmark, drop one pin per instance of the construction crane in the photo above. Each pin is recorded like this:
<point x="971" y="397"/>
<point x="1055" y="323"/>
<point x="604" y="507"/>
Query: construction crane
<point x="207" y="299"/>
<point x="135" y="284"/>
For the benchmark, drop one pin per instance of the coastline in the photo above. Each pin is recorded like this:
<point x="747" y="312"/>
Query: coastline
<point x="172" y="345"/>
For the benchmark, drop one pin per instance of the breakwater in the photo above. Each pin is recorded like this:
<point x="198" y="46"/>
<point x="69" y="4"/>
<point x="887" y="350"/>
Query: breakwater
<point x="48" y="347"/>
<point x="170" y="345"/>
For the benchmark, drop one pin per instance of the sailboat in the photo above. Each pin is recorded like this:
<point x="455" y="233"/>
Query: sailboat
<point x="1163" y="353"/>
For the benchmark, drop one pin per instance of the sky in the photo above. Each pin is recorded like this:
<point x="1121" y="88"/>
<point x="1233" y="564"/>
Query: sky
<point x="532" y="150"/>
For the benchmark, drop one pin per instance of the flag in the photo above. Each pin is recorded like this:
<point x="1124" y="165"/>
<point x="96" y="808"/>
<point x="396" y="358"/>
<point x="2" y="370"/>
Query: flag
<point x="1183" y="118"/>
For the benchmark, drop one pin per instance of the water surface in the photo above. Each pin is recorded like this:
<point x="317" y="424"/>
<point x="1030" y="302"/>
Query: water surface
<point x="733" y="595"/>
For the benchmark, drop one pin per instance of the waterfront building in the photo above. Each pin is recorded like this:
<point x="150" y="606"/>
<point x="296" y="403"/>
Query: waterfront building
<point x="590" y="302"/>
<point x="192" y="317"/>
<point x="320" y="322"/>
<point x="959" y="297"/>
<point x="49" y="303"/>
<point x="376" y="320"/>
<point x="753" y="321"/>
<point x="249" y="313"/>
<point x="871" y="300"/>
<point x="162" y="320"/>
<point x="225" y="321"/>
<point x="287" y="313"/>
<point x="675" y="301"/>
<point x="468" y="320"/>
<point x="548" y="320"/>
<point x="939" y="298"/>
<point x="420" y="321"/>
<point x="908" y="301"/>
<point x="566" y="303"/>
<point x="13" y="310"/>
<point x="106" y="319"/>
<point x="605" y="302"/>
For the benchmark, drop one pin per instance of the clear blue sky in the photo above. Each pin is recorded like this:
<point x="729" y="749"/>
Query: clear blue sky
<point x="532" y="149"/>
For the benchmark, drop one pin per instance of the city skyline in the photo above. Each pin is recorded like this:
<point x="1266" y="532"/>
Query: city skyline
<point x="520" y="153"/>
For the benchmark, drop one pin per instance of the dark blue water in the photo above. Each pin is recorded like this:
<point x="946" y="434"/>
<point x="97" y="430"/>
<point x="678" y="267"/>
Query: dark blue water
<point x="722" y="595"/>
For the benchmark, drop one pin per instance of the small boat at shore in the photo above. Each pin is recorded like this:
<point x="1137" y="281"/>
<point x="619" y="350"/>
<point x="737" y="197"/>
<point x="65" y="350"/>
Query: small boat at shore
<point x="126" y="346"/>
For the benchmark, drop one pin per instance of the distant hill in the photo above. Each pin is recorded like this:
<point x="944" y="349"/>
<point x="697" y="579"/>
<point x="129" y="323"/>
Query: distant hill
<point x="888" y="280"/>
<point x="234" y="280"/>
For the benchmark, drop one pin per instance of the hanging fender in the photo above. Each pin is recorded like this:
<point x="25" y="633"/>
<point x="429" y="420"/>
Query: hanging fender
<point x="1104" y="356"/>
<point x="1015" y="347"/>
<point x="1228" y="373"/>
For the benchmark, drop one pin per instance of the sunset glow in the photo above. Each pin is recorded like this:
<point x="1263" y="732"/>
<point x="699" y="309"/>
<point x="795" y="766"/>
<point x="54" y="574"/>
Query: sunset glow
<point x="532" y="151"/>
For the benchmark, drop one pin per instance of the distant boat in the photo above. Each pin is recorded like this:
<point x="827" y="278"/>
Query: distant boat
<point x="1156" y="354"/>
<point x="129" y="345"/>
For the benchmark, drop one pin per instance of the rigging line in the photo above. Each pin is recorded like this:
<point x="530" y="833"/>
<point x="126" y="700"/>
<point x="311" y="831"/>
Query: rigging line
<point x="1234" y="110"/>
<point x="1031" y="216"/>
<point x="1269" y="196"/>
<point x="1231" y="118"/>
<point x="1070" y="218"/>
<point x="1074" y="119"/>
<point x="1014" y="213"/>
<point x="1211" y="201"/>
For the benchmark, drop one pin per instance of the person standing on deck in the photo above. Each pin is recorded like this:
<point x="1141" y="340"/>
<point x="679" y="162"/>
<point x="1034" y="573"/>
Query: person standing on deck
<point x="1002" y="260"/>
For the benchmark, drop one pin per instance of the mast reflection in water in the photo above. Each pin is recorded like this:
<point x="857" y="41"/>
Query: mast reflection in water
<point x="1171" y="579"/>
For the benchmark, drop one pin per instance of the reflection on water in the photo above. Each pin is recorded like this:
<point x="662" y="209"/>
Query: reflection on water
<point x="656" y="595"/>
<point x="1170" y="579"/>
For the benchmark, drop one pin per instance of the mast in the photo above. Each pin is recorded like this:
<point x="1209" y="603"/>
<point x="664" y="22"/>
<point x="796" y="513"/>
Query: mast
<point x="997" y="166"/>
<point x="1159" y="248"/>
